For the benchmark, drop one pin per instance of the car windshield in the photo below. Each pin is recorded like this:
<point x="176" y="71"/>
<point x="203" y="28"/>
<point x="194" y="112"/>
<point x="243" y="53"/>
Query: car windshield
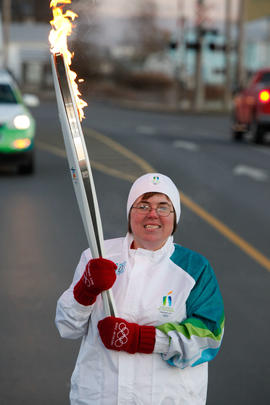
<point x="265" y="78"/>
<point x="7" y="94"/>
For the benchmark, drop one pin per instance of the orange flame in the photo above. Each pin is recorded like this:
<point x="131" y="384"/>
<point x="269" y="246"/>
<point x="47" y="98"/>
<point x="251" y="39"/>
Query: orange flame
<point x="61" y="30"/>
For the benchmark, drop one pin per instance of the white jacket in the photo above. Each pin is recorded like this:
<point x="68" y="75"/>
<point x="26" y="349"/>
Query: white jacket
<point x="152" y="288"/>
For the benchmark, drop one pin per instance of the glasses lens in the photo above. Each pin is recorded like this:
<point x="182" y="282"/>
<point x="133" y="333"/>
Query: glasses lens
<point x="143" y="209"/>
<point x="163" y="211"/>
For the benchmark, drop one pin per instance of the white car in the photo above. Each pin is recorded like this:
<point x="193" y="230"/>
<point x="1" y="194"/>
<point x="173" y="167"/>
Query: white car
<point x="17" y="126"/>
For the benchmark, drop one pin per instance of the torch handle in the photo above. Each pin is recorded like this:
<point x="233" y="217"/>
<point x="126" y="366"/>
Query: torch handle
<point x="80" y="167"/>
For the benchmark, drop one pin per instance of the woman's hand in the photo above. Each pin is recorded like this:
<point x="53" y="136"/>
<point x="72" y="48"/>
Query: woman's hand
<point x="118" y="334"/>
<point x="99" y="275"/>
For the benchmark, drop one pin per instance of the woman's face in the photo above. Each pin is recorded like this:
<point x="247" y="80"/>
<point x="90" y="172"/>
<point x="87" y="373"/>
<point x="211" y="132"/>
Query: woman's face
<point x="151" y="231"/>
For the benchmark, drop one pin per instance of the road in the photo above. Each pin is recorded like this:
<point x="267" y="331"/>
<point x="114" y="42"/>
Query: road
<point x="225" y="216"/>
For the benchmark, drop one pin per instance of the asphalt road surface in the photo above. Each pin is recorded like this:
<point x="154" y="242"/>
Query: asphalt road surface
<point x="225" y="216"/>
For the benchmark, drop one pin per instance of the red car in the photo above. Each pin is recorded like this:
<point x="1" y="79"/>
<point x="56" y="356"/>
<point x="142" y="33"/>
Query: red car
<point x="251" y="110"/>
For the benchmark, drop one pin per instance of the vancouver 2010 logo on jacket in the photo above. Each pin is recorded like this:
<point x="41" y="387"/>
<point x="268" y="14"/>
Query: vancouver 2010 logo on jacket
<point x="167" y="305"/>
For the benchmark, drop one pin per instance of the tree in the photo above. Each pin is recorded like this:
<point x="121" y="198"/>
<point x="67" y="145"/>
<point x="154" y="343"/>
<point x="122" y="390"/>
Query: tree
<point x="84" y="40"/>
<point x="30" y="9"/>
<point x="144" y="32"/>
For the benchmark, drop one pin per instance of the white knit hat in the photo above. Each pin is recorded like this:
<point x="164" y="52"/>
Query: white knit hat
<point x="155" y="182"/>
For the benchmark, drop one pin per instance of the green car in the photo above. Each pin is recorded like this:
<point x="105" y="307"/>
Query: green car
<point x="17" y="127"/>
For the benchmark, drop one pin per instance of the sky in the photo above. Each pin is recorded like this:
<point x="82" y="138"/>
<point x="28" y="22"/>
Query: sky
<point x="167" y="8"/>
<point x="169" y="12"/>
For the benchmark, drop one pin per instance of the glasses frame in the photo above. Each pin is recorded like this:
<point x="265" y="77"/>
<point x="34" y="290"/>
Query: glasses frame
<point x="150" y="209"/>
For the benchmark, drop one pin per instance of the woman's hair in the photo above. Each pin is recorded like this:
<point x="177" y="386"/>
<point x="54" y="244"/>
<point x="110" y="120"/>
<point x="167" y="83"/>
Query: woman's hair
<point x="146" y="196"/>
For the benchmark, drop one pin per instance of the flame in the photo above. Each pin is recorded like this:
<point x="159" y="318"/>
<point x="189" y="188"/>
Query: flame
<point x="61" y="30"/>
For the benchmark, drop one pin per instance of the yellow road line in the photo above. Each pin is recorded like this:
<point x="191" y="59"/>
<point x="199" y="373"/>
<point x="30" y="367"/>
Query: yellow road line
<point x="119" y="148"/>
<point x="95" y="165"/>
<point x="185" y="200"/>
<point x="226" y="232"/>
<point x="52" y="149"/>
<point x="113" y="172"/>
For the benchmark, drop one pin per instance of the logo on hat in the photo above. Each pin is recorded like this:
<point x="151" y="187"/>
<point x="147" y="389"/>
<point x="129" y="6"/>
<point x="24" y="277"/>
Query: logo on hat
<point x="156" y="180"/>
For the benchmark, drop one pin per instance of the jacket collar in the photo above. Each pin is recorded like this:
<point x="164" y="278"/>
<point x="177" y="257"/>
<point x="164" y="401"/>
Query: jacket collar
<point x="155" y="255"/>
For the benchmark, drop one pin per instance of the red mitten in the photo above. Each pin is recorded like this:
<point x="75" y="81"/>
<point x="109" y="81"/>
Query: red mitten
<point x="118" y="334"/>
<point x="99" y="275"/>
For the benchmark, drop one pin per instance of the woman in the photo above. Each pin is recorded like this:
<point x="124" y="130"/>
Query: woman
<point x="170" y="310"/>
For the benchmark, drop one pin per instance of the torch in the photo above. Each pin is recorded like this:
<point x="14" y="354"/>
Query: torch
<point x="79" y="164"/>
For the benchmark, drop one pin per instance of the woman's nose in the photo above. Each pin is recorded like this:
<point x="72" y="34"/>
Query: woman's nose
<point x="153" y="212"/>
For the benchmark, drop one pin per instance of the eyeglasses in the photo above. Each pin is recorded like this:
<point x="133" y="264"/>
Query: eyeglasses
<point x="161" y="210"/>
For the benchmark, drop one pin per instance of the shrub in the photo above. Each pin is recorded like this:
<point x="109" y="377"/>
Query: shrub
<point x="148" y="81"/>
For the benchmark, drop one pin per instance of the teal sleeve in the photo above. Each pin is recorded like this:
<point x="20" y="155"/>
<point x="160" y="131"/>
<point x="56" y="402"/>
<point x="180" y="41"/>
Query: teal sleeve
<point x="196" y="339"/>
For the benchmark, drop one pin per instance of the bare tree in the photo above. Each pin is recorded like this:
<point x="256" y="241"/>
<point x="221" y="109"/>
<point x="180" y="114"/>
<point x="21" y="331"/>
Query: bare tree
<point x="228" y="49"/>
<point x="84" y="40"/>
<point x="241" y="41"/>
<point x="144" y="31"/>
<point x="199" y="85"/>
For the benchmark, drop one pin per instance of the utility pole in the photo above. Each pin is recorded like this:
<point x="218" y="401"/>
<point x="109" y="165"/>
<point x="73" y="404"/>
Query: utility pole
<point x="199" y="88"/>
<point x="240" y="71"/>
<point x="228" y="47"/>
<point x="6" y="30"/>
<point x="181" y="23"/>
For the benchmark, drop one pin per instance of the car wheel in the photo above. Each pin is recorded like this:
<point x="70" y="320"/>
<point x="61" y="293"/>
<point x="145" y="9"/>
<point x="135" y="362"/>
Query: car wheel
<point x="257" y="132"/>
<point x="236" y="134"/>
<point x="27" y="167"/>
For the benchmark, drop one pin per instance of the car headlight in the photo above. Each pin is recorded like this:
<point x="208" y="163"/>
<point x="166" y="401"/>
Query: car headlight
<point x="21" y="122"/>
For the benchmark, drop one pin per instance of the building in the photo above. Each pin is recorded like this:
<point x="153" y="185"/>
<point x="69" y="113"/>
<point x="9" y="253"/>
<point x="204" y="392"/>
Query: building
<point x="29" y="55"/>
<point x="257" y="44"/>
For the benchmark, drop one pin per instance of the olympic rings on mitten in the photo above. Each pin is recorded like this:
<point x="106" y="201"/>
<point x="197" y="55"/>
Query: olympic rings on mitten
<point x="120" y="335"/>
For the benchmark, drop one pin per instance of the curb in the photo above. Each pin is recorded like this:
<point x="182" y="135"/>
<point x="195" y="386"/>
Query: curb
<point x="144" y="106"/>
<point x="159" y="107"/>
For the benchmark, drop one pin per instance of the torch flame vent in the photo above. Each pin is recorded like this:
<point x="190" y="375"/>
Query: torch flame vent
<point x="62" y="25"/>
